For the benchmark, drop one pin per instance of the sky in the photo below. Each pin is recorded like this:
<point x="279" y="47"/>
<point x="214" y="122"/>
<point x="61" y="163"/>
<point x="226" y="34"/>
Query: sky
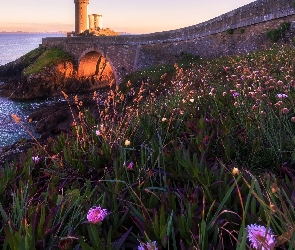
<point x="131" y="16"/>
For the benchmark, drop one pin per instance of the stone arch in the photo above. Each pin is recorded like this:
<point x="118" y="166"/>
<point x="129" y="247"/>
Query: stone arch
<point x="93" y="63"/>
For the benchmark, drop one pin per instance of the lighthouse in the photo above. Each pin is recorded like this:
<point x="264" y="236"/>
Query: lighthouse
<point x="81" y="9"/>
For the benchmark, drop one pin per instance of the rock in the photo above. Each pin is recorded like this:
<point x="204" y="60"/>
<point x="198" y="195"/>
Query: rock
<point x="60" y="116"/>
<point x="51" y="81"/>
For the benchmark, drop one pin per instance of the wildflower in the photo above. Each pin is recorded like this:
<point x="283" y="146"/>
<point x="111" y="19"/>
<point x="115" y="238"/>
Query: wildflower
<point x="164" y="119"/>
<point x="235" y="94"/>
<point x="192" y="100"/>
<point x="279" y="104"/>
<point x="236" y="104"/>
<point x="281" y="96"/>
<point x="130" y="166"/>
<point x="224" y="94"/>
<point x="235" y="171"/>
<point x="213" y="90"/>
<point x="97" y="132"/>
<point x="127" y="142"/>
<point x="293" y="119"/>
<point x="261" y="237"/>
<point x="254" y="107"/>
<point x="285" y="111"/>
<point x="272" y="207"/>
<point x="15" y="118"/>
<point x="96" y="214"/>
<point x="274" y="188"/>
<point x="148" y="246"/>
<point x="35" y="159"/>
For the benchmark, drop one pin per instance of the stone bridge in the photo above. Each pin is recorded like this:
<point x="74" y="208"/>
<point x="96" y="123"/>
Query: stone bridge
<point x="116" y="56"/>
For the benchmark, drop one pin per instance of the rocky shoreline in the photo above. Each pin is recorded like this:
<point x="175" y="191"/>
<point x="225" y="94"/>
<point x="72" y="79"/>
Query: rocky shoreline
<point x="50" y="121"/>
<point x="51" y="81"/>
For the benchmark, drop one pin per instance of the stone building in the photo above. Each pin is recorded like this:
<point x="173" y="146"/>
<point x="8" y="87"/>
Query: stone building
<point x="81" y="10"/>
<point x="95" y="22"/>
<point x="81" y="13"/>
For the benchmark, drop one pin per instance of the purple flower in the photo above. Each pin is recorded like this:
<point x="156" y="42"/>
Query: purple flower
<point x="35" y="159"/>
<point x="96" y="214"/>
<point x="130" y="166"/>
<point x="260" y="237"/>
<point x="235" y="94"/>
<point x="281" y="96"/>
<point x="148" y="246"/>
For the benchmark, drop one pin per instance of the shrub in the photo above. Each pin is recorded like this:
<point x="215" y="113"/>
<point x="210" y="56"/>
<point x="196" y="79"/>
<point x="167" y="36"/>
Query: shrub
<point x="242" y="31"/>
<point x="275" y="34"/>
<point x="285" y="26"/>
<point x="230" y="31"/>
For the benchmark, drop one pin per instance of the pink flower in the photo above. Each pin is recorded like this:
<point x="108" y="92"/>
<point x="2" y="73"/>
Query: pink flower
<point x="96" y="214"/>
<point x="148" y="246"/>
<point x="35" y="159"/>
<point x="285" y="111"/>
<point x="130" y="166"/>
<point x="260" y="237"/>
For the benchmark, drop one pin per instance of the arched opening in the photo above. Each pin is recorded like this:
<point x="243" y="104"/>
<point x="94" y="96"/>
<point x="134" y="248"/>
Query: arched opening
<point x="95" y="65"/>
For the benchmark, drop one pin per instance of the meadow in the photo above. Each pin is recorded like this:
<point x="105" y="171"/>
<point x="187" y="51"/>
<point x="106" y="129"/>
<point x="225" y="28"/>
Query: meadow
<point x="196" y="155"/>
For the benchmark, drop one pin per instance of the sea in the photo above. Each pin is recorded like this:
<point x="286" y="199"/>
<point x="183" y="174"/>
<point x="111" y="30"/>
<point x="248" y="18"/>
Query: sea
<point x="13" y="46"/>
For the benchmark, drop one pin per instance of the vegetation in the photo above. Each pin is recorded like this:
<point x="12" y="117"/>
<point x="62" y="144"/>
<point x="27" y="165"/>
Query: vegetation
<point x="10" y="69"/>
<point x="192" y="166"/>
<point x="48" y="58"/>
<point x="230" y="31"/>
<point x="242" y="30"/>
<point x="158" y="75"/>
<point x="275" y="34"/>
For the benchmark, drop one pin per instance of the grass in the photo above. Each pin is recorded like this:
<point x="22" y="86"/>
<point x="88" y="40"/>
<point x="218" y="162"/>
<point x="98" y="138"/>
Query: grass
<point x="46" y="59"/>
<point x="186" y="162"/>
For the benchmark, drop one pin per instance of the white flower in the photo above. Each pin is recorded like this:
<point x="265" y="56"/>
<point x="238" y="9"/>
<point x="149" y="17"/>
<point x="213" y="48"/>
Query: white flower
<point x="260" y="237"/>
<point x="164" y="119"/>
<point x="192" y="100"/>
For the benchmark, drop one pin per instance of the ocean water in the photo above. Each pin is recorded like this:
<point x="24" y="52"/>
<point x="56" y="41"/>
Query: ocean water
<point x="13" y="46"/>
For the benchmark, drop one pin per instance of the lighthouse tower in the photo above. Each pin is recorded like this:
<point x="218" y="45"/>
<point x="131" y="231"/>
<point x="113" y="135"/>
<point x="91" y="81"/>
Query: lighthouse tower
<point x="80" y="15"/>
